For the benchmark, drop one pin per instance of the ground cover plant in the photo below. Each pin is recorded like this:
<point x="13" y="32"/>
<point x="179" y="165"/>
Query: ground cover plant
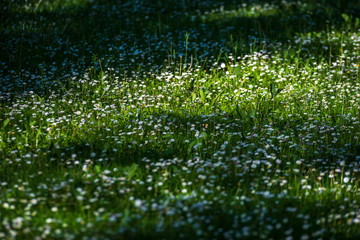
<point x="179" y="119"/>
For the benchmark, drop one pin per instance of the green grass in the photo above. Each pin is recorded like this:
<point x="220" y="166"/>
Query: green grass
<point x="179" y="119"/>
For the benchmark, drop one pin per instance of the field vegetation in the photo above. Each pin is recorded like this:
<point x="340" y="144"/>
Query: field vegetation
<point x="187" y="119"/>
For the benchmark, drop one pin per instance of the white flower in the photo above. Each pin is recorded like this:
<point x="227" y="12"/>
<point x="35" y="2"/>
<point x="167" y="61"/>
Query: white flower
<point x="49" y="220"/>
<point x="137" y="203"/>
<point x="84" y="168"/>
<point x="291" y="209"/>
<point x="17" y="222"/>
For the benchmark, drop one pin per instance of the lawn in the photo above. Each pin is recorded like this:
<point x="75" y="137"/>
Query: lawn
<point x="187" y="119"/>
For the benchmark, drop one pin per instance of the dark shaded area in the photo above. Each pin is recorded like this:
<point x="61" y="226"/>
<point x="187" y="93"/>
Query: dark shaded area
<point x="87" y="21"/>
<point x="78" y="32"/>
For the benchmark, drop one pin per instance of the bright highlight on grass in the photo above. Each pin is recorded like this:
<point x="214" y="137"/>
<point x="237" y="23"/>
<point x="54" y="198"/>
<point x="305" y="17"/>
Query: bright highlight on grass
<point x="179" y="119"/>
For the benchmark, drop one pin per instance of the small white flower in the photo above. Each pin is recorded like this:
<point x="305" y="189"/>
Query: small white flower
<point x="84" y="168"/>
<point x="49" y="220"/>
<point x="291" y="209"/>
<point x="137" y="203"/>
<point x="17" y="222"/>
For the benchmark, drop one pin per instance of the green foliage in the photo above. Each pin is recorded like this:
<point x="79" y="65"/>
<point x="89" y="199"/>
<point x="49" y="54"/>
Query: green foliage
<point x="179" y="119"/>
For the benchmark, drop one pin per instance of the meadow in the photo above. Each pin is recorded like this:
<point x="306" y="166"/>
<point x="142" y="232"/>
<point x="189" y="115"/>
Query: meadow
<point x="187" y="119"/>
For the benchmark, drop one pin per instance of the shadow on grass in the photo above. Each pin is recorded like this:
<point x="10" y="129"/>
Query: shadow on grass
<point x="32" y="40"/>
<point x="108" y="147"/>
<point x="58" y="163"/>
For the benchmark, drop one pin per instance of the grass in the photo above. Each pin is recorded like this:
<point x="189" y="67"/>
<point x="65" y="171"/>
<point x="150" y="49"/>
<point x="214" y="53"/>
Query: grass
<point x="179" y="119"/>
